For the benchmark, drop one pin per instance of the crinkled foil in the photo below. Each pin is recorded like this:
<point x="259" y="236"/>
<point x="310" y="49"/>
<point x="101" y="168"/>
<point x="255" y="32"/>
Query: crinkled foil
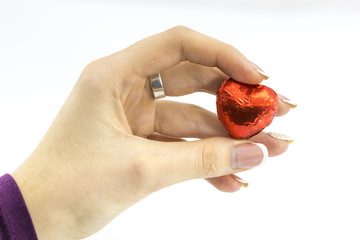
<point x="244" y="109"/>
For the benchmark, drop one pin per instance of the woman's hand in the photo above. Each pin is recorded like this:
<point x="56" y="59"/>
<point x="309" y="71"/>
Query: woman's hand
<point x="112" y="144"/>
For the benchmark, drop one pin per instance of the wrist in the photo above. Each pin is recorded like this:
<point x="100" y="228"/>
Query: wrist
<point x="49" y="213"/>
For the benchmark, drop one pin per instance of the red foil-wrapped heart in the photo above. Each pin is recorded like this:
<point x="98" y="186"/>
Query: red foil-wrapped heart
<point x="245" y="109"/>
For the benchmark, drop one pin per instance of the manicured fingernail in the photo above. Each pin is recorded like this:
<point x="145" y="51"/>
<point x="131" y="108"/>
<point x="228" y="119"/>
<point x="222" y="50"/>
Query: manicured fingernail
<point x="248" y="155"/>
<point x="281" y="136"/>
<point x="263" y="74"/>
<point x="287" y="101"/>
<point x="259" y="70"/>
<point x="244" y="183"/>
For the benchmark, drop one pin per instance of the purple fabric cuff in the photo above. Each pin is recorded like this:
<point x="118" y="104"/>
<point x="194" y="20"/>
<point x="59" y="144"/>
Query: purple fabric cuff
<point x="15" y="220"/>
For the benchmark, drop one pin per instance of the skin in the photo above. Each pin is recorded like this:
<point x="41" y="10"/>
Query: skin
<point x="112" y="144"/>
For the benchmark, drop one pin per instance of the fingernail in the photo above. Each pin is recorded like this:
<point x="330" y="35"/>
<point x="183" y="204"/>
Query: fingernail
<point x="287" y="101"/>
<point x="244" y="183"/>
<point x="263" y="74"/>
<point x="248" y="155"/>
<point x="281" y="136"/>
<point x="259" y="70"/>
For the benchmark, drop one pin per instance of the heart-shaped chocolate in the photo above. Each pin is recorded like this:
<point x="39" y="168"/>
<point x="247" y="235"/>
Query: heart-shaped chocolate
<point x="245" y="109"/>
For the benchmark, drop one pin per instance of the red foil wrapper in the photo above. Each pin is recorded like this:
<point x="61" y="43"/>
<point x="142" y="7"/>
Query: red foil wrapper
<point x="244" y="109"/>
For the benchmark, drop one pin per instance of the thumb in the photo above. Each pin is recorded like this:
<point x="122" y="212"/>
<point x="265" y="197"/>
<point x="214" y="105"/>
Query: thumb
<point x="211" y="157"/>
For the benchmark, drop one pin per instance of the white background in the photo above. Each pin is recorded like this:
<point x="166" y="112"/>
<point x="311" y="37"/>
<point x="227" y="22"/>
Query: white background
<point x="309" y="48"/>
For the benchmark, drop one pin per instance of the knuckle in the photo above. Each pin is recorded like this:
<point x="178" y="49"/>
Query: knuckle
<point x="105" y="74"/>
<point x="196" y="132"/>
<point x="180" y="29"/>
<point x="91" y="75"/>
<point x="142" y="177"/>
<point x="195" y="123"/>
<point x="198" y="85"/>
<point x="135" y="177"/>
<point x="194" y="107"/>
<point x="139" y="172"/>
<point x="93" y="68"/>
<point x="146" y="176"/>
<point x="178" y="35"/>
<point x="210" y="160"/>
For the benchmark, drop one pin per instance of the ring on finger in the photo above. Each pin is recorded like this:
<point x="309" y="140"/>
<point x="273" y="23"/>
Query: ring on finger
<point x="157" y="86"/>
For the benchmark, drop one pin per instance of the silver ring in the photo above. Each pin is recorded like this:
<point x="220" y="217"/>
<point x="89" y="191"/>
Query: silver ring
<point x="157" y="86"/>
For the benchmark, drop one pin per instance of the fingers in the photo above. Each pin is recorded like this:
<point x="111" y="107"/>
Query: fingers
<point x="164" y="138"/>
<point x="285" y="104"/>
<point x="232" y="183"/>
<point x="186" y="120"/>
<point x="186" y="78"/>
<point x="215" y="159"/>
<point x="275" y="146"/>
<point x="208" y="158"/>
<point x="283" y="108"/>
<point x="165" y="50"/>
<point x="227" y="183"/>
<point x="181" y="120"/>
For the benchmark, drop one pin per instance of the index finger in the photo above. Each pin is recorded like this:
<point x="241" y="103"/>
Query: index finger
<point x="165" y="50"/>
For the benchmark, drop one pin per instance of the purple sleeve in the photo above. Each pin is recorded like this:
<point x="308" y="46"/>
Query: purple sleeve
<point x="15" y="220"/>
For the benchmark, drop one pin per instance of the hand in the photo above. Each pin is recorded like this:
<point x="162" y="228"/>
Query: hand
<point x="112" y="144"/>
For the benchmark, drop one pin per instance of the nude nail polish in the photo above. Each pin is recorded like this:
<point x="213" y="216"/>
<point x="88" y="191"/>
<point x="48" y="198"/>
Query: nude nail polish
<point x="248" y="155"/>
<point x="259" y="70"/>
<point x="281" y="136"/>
<point x="287" y="100"/>
<point x="244" y="183"/>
